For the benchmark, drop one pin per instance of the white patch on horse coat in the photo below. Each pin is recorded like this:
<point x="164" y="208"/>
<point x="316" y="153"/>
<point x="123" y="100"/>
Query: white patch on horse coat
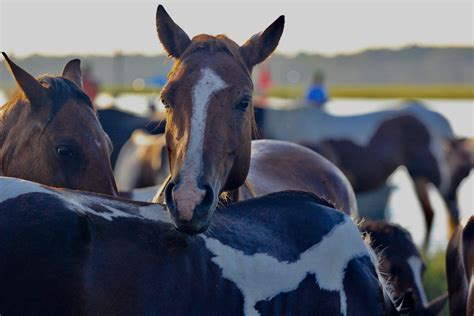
<point x="416" y="265"/>
<point x="11" y="188"/>
<point x="262" y="277"/>
<point x="188" y="195"/>
<point x="78" y="202"/>
<point x="155" y="213"/>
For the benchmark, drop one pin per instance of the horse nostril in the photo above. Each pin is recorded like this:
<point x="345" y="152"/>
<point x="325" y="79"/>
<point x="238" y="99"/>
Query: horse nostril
<point x="169" y="195"/>
<point x="208" y="196"/>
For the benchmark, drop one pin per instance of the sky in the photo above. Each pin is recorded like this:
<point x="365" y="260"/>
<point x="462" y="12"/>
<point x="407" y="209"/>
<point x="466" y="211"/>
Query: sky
<point x="326" y="26"/>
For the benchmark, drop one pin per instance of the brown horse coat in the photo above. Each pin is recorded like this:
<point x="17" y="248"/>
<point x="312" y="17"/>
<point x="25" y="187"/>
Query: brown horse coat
<point x="460" y="270"/>
<point x="50" y="134"/>
<point x="210" y="119"/>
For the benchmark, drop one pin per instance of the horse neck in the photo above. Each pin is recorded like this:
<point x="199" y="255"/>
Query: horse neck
<point x="394" y="140"/>
<point x="388" y="152"/>
<point x="8" y="117"/>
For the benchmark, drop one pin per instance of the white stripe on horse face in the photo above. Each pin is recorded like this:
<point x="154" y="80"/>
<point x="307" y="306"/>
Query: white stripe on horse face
<point x="416" y="265"/>
<point x="262" y="277"/>
<point x="187" y="195"/>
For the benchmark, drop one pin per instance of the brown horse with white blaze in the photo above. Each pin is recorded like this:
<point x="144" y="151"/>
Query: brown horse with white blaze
<point x="50" y="134"/>
<point x="210" y="121"/>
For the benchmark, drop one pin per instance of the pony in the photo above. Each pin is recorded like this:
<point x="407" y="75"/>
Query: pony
<point x="49" y="133"/>
<point x="284" y="253"/>
<point x="209" y="124"/>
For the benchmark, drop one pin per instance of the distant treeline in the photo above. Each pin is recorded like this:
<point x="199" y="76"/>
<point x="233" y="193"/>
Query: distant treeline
<point x="413" y="65"/>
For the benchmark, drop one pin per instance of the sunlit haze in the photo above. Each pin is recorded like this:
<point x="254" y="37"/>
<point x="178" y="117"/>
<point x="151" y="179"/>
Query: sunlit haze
<point x="105" y="26"/>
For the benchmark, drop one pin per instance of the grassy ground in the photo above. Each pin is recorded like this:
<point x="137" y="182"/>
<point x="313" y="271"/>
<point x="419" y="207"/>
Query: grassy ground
<point x="382" y="91"/>
<point x="362" y="91"/>
<point x="435" y="277"/>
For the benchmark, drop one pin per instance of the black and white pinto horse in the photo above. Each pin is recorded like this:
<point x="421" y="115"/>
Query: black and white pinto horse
<point x="69" y="252"/>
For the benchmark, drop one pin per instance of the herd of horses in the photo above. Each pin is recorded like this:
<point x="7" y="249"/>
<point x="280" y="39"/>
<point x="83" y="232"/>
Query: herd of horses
<point x="232" y="221"/>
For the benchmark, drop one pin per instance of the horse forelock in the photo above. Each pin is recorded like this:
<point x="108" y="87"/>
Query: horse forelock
<point x="60" y="90"/>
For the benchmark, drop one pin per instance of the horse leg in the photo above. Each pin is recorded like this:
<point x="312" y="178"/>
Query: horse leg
<point x="421" y="189"/>
<point x="453" y="214"/>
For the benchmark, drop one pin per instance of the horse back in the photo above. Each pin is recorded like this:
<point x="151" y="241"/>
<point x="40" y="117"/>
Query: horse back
<point x="43" y="255"/>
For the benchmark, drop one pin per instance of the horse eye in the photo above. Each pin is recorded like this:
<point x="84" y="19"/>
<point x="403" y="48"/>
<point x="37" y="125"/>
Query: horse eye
<point x="64" y="152"/>
<point x="165" y="103"/>
<point x="244" y="104"/>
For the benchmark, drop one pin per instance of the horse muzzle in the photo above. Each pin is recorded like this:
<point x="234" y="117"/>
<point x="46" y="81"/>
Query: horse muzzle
<point x="191" y="208"/>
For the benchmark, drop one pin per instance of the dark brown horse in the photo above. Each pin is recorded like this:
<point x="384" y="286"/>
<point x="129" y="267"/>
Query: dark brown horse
<point x="210" y="119"/>
<point x="404" y="141"/>
<point x="460" y="270"/>
<point x="401" y="262"/>
<point x="49" y="133"/>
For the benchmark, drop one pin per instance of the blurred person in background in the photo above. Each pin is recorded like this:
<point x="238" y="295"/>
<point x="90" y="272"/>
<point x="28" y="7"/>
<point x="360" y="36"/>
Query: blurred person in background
<point x="264" y="83"/>
<point x="90" y="83"/>
<point x="316" y="95"/>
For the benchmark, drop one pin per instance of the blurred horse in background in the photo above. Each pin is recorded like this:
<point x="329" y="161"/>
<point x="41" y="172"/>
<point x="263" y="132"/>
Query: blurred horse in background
<point x="209" y="118"/>
<point x="369" y="147"/>
<point x="404" y="140"/>
<point x="120" y="125"/>
<point x="49" y="133"/>
<point x="142" y="162"/>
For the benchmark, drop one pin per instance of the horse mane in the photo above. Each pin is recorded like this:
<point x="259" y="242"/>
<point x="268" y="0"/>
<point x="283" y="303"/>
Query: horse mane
<point x="59" y="90"/>
<point x="213" y="44"/>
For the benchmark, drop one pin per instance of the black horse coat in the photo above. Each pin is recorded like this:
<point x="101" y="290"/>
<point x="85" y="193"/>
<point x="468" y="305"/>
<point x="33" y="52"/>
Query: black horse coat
<point x="67" y="253"/>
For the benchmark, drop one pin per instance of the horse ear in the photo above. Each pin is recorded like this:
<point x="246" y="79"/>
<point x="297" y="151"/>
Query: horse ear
<point x="72" y="71"/>
<point x="261" y="45"/>
<point x="32" y="89"/>
<point x="172" y="37"/>
<point x="437" y="304"/>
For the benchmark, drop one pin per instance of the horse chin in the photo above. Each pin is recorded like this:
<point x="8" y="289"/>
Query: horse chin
<point x="196" y="219"/>
<point x="188" y="229"/>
